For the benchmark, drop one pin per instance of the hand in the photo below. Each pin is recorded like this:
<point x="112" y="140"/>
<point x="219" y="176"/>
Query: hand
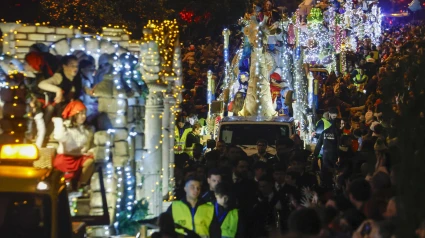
<point x="88" y="91"/>
<point x="59" y="97"/>
<point x="57" y="120"/>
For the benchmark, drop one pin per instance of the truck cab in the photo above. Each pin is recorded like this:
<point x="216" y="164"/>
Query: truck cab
<point x="34" y="200"/>
<point x="245" y="131"/>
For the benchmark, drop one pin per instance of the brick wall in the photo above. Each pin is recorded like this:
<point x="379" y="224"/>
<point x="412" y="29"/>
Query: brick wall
<point x="17" y="38"/>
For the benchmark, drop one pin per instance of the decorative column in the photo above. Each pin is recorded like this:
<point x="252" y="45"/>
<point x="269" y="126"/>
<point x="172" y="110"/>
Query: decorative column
<point x="226" y="35"/>
<point x="166" y="144"/>
<point x="152" y="158"/>
<point x="7" y="45"/>
<point x="174" y="103"/>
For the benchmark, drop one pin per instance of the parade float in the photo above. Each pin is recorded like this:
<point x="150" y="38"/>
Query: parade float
<point x="140" y="95"/>
<point x="275" y="71"/>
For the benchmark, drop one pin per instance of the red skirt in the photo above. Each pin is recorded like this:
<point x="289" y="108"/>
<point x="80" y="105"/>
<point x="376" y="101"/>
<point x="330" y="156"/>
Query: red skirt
<point x="70" y="165"/>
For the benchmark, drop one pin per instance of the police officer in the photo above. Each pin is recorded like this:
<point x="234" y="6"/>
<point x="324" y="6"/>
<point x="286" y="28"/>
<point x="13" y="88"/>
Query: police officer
<point x="193" y="213"/>
<point x="181" y="130"/>
<point x="329" y="139"/>
<point x="322" y="125"/>
<point x="360" y="78"/>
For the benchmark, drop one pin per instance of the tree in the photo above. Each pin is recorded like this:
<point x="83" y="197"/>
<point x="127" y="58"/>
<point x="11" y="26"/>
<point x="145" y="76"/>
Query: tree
<point x="94" y="14"/>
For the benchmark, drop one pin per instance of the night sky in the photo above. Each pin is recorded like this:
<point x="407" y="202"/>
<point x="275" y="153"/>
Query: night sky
<point x="25" y="10"/>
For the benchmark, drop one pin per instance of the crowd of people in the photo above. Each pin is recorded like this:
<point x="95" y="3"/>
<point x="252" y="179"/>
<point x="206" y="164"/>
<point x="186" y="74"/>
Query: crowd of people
<point x="350" y="185"/>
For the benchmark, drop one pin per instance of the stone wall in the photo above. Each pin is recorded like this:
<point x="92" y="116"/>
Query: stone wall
<point x="17" y="38"/>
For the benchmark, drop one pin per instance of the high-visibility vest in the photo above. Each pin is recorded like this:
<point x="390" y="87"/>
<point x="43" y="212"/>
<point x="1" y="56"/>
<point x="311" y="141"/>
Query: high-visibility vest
<point x="360" y="80"/>
<point x="326" y="125"/>
<point x="189" y="150"/>
<point x="229" y="227"/>
<point x="198" y="221"/>
<point x="180" y="142"/>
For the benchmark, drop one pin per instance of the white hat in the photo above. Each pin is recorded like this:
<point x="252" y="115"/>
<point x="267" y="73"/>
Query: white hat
<point x="278" y="71"/>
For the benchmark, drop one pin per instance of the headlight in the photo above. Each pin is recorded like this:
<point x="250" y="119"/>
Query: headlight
<point x="42" y="186"/>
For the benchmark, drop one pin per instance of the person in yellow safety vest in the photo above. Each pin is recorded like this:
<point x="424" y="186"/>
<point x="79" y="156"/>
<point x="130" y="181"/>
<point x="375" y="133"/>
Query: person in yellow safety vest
<point x="181" y="130"/>
<point x="226" y="213"/>
<point x="375" y="53"/>
<point x="193" y="213"/>
<point x="192" y="139"/>
<point x="322" y="125"/>
<point x="360" y="80"/>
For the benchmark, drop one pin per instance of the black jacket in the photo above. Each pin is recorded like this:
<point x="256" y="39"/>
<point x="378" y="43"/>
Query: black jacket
<point x="209" y="196"/>
<point x="329" y="139"/>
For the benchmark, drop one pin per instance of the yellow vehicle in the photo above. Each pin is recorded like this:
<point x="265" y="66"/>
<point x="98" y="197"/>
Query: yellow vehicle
<point x="34" y="201"/>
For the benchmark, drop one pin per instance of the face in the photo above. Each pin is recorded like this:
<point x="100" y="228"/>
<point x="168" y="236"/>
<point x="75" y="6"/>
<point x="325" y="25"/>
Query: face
<point x="279" y="177"/>
<point x="71" y="68"/>
<point x="265" y="188"/>
<point x="342" y="124"/>
<point x="242" y="169"/>
<point x="289" y="180"/>
<point x="221" y="147"/>
<point x="200" y="172"/>
<point x="197" y="131"/>
<point x="213" y="180"/>
<point x="180" y="124"/>
<point x="298" y="166"/>
<point x="222" y="200"/>
<point x="233" y="152"/>
<point x="193" y="189"/>
<point x="268" y="6"/>
<point x="333" y="116"/>
<point x="88" y="71"/>
<point x="254" y="8"/>
<point x="261" y="147"/>
<point x="259" y="173"/>
<point x="81" y="117"/>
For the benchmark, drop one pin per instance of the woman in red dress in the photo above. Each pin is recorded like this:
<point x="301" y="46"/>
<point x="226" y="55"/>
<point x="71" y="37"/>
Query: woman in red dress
<point x="74" y="154"/>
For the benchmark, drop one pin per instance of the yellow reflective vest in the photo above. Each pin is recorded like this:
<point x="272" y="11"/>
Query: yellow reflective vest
<point x="198" y="221"/>
<point x="180" y="142"/>
<point x="229" y="227"/>
<point x="360" y="80"/>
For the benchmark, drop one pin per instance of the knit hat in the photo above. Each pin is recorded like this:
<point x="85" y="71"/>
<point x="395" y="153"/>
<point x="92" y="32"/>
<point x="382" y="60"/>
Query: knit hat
<point x="276" y="77"/>
<point x="73" y="108"/>
<point x="37" y="62"/>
